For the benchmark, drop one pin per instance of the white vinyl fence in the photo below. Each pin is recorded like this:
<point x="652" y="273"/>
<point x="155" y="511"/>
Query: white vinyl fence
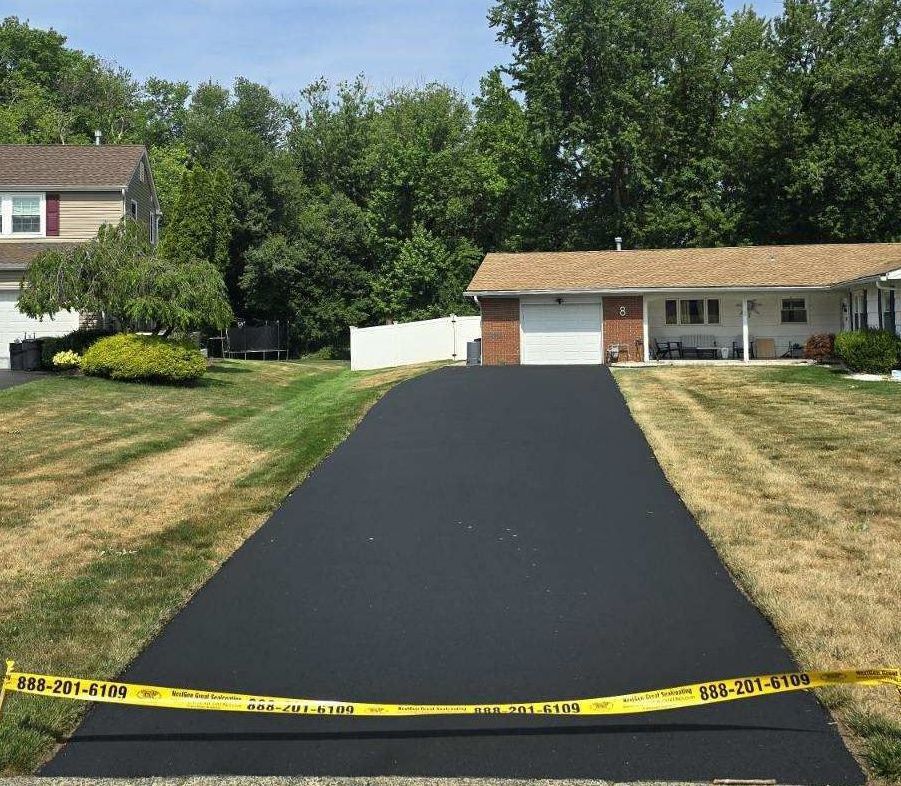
<point x="383" y="346"/>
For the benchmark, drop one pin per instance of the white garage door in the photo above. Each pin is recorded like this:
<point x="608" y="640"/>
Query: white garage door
<point x="14" y="324"/>
<point x="564" y="334"/>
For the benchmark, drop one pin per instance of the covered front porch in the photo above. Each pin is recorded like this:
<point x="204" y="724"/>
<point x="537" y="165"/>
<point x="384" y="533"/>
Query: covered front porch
<point x="723" y="326"/>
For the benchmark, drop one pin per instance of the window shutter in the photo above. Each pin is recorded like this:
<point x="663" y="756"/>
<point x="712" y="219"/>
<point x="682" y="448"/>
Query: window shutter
<point x="52" y="202"/>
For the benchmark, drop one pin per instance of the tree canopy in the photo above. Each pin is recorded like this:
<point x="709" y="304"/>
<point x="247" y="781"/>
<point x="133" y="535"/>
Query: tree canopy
<point x="667" y="122"/>
<point x="122" y="277"/>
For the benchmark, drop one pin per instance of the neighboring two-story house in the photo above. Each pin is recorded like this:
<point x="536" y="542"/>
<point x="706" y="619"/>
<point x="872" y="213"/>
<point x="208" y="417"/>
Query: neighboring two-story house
<point x="62" y="194"/>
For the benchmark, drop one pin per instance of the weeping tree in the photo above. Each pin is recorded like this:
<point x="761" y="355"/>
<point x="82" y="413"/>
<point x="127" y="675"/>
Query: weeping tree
<point x="120" y="275"/>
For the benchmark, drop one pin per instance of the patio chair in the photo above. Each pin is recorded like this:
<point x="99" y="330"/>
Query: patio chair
<point x="667" y="350"/>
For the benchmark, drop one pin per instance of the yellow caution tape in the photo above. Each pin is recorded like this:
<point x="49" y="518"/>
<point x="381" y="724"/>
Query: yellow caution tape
<point x="702" y="693"/>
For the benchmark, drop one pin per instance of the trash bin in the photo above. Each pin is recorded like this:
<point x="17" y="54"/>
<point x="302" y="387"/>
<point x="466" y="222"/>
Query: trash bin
<point x="474" y="352"/>
<point x="31" y="354"/>
<point x="16" y="356"/>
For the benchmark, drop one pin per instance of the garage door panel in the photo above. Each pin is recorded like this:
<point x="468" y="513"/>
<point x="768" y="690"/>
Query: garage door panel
<point x="564" y="334"/>
<point x="15" y="325"/>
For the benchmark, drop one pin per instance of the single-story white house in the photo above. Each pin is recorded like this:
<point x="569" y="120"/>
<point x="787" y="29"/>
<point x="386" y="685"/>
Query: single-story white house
<point x="746" y="302"/>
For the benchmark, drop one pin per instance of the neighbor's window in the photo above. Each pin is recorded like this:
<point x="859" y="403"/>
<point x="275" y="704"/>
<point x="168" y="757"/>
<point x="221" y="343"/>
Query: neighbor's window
<point x="134" y="210"/>
<point x="26" y="214"/>
<point x="713" y="312"/>
<point x="671" y="312"/>
<point x="141" y="173"/>
<point x="794" y="309"/>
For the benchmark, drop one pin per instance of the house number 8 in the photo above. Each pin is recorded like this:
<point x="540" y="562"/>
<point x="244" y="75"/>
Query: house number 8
<point x="622" y="311"/>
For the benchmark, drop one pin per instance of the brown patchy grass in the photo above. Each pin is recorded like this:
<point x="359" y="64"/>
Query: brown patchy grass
<point x="145" y="497"/>
<point x="392" y="375"/>
<point x="119" y="501"/>
<point x="795" y="475"/>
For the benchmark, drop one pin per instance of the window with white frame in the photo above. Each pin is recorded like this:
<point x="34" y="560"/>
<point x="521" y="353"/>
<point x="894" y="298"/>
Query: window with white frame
<point x="134" y="210"/>
<point x="692" y="311"/>
<point x="794" y="309"/>
<point x="22" y="214"/>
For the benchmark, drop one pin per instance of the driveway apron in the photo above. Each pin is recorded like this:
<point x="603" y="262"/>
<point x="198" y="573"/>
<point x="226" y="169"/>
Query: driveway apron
<point x="486" y="534"/>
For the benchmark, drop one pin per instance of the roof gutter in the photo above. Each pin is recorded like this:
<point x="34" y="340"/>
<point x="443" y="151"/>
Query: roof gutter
<point x="890" y="281"/>
<point x="52" y="187"/>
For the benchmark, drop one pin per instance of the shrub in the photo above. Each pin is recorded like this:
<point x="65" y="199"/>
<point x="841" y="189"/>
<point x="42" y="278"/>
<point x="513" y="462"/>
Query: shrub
<point x="66" y="359"/>
<point x="136" y="358"/>
<point x="870" y="351"/>
<point x="820" y="347"/>
<point x="76" y="341"/>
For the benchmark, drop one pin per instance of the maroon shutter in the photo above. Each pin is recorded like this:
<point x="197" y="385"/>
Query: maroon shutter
<point x="52" y="215"/>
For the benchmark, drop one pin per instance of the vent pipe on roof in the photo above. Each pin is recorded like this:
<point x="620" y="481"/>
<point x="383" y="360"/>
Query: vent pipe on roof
<point x="619" y="243"/>
<point x="97" y="136"/>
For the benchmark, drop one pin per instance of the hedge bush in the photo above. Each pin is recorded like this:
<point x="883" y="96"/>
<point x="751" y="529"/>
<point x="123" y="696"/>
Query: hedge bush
<point x="76" y="341"/>
<point x="820" y="347"/>
<point x="136" y="358"/>
<point x="869" y="351"/>
<point x="66" y="360"/>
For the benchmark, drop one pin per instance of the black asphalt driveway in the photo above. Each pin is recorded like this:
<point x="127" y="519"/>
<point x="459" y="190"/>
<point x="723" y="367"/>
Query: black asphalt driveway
<point x="486" y="534"/>
<point x="10" y="379"/>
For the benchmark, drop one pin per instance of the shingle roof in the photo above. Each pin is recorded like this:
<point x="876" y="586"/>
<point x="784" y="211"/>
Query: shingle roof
<point x="16" y="256"/>
<point x="743" y="266"/>
<point x="68" y="166"/>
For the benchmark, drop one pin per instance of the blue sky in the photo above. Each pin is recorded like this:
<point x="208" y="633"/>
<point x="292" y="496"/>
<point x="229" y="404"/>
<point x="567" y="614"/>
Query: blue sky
<point x="286" y="45"/>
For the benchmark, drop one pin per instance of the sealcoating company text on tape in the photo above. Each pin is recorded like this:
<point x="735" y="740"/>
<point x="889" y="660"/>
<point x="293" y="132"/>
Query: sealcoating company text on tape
<point x="697" y="694"/>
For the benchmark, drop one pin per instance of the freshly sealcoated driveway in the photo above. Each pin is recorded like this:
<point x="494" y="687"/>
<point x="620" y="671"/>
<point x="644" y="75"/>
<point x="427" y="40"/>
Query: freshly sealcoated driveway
<point x="486" y="534"/>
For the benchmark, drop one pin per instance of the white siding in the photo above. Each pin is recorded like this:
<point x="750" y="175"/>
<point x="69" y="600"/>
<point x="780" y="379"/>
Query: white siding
<point x="15" y="325"/>
<point x="824" y="311"/>
<point x="872" y="308"/>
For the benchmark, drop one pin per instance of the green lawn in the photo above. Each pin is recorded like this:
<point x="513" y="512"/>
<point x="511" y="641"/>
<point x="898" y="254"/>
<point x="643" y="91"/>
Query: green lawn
<point x="795" y="474"/>
<point x="118" y="501"/>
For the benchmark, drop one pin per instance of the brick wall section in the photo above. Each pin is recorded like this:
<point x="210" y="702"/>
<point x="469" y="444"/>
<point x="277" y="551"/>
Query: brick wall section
<point x="623" y="323"/>
<point x="500" y="331"/>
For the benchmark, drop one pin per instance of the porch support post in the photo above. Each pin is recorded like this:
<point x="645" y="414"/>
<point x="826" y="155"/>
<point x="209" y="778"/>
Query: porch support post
<point x="645" y="333"/>
<point x="746" y="344"/>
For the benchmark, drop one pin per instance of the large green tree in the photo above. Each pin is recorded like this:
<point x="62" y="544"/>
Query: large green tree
<point x="630" y="103"/>
<point x="319" y="278"/>
<point x="200" y="222"/>
<point x="425" y="279"/>
<point x="817" y="156"/>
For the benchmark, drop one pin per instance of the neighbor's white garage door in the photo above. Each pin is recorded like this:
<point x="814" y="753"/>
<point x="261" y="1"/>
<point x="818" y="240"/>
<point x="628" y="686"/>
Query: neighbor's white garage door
<point x="14" y="324"/>
<point x="561" y="334"/>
